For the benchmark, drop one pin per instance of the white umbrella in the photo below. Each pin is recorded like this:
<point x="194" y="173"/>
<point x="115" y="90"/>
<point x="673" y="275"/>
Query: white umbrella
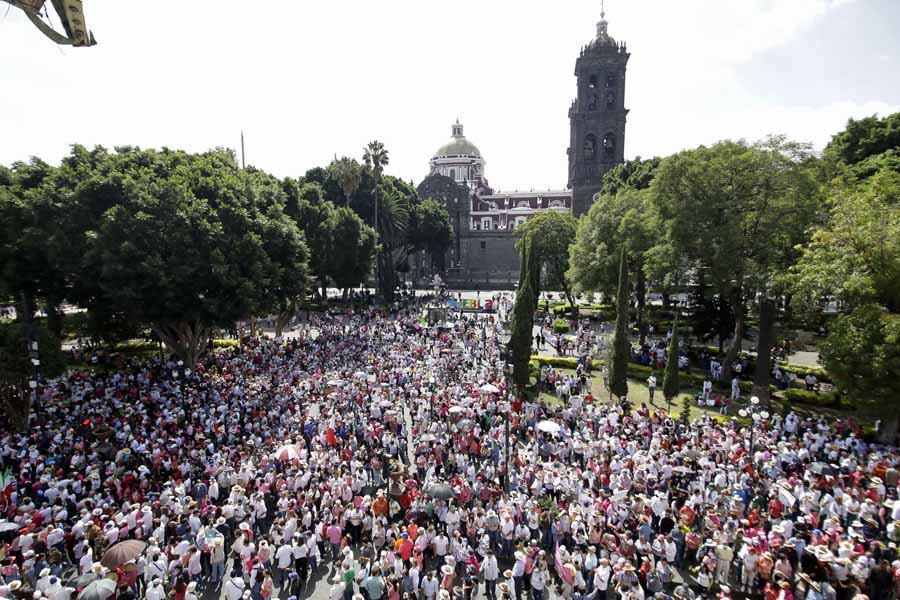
<point x="489" y="388"/>
<point x="287" y="453"/>
<point x="335" y="382"/>
<point x="360" y="375"/>
<point x="548" y="426"/>
<point x="455" y="409"/>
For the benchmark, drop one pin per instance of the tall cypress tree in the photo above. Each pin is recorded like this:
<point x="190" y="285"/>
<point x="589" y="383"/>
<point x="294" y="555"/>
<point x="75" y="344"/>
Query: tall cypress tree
<point x="618" y="371"/>
<point x="523" y="318"/>
<point x="670" y="380"/>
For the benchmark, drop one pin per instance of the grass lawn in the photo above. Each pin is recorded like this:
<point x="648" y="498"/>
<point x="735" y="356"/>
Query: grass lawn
<point x="638" y="394"/>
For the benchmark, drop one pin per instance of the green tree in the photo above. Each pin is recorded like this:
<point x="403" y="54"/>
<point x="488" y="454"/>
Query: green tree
<point x="854" y="258"/>
<point x="348" y="173"/>
<point x="352" y="249"/>
<point x="430" y="230"/>
<point x="636" y="174"/>
<point x="862" y="355"/>
<point x="671" y="384"/>
<point x="33" y="248"/>
<point x="523" y="316"/>
<point x="551" y="233"/>
<point x="181" y="242"/>
<point x="865" y="147"/>
<point x="737" y="211"/>
<point x="623" y="220"/>
<point x="16" y="369"/>
<point x="618" y="369"/>
<point x="376" y="158"/>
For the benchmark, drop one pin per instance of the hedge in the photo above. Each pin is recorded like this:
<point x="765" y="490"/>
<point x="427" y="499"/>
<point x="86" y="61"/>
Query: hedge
<point x="223" y="343"/>
<point x="817" y="399"/>
<point x="560" y="326"/>
<point x="557" y="362"/>
<point x="800" y="371"/>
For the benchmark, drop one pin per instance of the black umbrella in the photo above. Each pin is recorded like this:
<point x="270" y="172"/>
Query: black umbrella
<point x="8" y="526"/>
<point x="80" y="582"/>
<point x="440" y="490"/>
<point x="98" y="590"/>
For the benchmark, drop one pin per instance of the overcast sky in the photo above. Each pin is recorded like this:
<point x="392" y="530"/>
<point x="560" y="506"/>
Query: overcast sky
<point x="308" y="80"/>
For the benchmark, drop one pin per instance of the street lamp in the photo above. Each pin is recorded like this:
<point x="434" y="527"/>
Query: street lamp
<point x="757" y="413"/>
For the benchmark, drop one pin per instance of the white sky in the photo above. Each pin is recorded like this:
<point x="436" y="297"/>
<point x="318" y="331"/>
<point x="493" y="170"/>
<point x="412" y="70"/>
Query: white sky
<point x="307" y="80"/>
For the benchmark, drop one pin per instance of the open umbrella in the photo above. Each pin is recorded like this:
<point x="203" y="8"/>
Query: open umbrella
<point x="121" y="553"/>
<point x="287" y="453"/>
<point x="548" y="426"/>
<point x="82" y="581"/>
<point x="98" y="590"/>
<point x="489" y="388"/>
<point x="8" y="526"/>
<point x="455" y="409"/>
<point x="440" y="490"/>
<point x="820" y="468"/>
<point x="335" y="382"/>
<point x="360" y="375"/>
<point x="427" y="437"/>
<point x="466" y="424"/>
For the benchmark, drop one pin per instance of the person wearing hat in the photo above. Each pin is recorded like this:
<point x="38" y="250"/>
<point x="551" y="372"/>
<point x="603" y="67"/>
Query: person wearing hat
<point x="234" y="588"/>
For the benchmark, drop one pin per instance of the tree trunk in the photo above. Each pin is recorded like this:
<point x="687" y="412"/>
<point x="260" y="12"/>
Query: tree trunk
<point x="184" y="339"/>
<point x="641" y="291"/>
<point x="735" y="348"/>
<point x="54" y="317"/>
<point x="618" y="370"/>
<point x="666" y="301"/>
<point x="887" y="431"/>
<point x="283" y="320"/>
<point x="767" y="314"/>
<point x="788" y="309"/>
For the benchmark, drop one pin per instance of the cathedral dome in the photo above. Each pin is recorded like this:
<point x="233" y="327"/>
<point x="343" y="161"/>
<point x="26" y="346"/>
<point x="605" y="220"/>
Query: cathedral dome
<point x="458" y="146"/>
<point x="603" y="38"/>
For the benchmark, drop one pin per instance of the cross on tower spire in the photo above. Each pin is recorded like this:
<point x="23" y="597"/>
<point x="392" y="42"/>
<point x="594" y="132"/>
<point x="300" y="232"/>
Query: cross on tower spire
<point x="602" y="9"/>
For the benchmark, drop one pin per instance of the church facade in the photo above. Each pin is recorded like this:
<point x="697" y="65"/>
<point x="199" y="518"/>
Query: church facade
<point x="484" y="220"/>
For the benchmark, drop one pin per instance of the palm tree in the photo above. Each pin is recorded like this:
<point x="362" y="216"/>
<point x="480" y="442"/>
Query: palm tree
<point x="348" y="173"/>
<point x="375" y="155"/>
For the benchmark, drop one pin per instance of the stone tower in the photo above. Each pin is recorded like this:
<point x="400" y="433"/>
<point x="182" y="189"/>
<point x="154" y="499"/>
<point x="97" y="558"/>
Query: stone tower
<point x="597" y="116"/>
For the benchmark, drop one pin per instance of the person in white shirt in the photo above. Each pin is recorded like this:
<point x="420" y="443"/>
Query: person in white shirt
<point x="491" y="573"/>
<point x="234" y="588"/>
<point x="155" y="590"/>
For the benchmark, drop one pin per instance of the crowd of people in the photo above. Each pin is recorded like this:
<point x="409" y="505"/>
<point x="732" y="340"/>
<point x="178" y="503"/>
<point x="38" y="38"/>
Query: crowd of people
<point x="393" y="459"/>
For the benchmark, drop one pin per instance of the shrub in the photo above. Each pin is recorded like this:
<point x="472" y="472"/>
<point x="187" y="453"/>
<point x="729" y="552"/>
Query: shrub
<point x="557" y="362"/>
<point x="223" y="343"/>
<point x="560" y="327"/>
<point x="817" y="399"/>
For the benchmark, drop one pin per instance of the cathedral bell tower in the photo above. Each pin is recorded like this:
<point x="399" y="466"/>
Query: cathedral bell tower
<point x="597" y="116"/>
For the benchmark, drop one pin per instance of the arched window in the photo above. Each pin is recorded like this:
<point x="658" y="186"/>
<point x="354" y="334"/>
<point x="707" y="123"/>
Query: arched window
<point x="590" y="146"/>
<point x="453" y="174"/>
<point x="592" y="103"/>
<point x="594" y="81"/>
<point x="610" y="99"/>
<point x="610" y="81"/>
<point x="609" y="143"/>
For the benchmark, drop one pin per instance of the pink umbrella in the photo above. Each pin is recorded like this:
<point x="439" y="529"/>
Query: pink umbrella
<point x="287" y="453"/>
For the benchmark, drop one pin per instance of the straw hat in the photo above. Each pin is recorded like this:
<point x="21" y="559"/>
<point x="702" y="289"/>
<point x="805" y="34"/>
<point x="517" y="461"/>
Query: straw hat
<point x="446" y="570"/>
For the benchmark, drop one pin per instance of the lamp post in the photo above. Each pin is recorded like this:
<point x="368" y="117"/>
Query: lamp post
<point x="506" y="406"/>
<point x="35" y="372"/>
<point x="757" y="413"/>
